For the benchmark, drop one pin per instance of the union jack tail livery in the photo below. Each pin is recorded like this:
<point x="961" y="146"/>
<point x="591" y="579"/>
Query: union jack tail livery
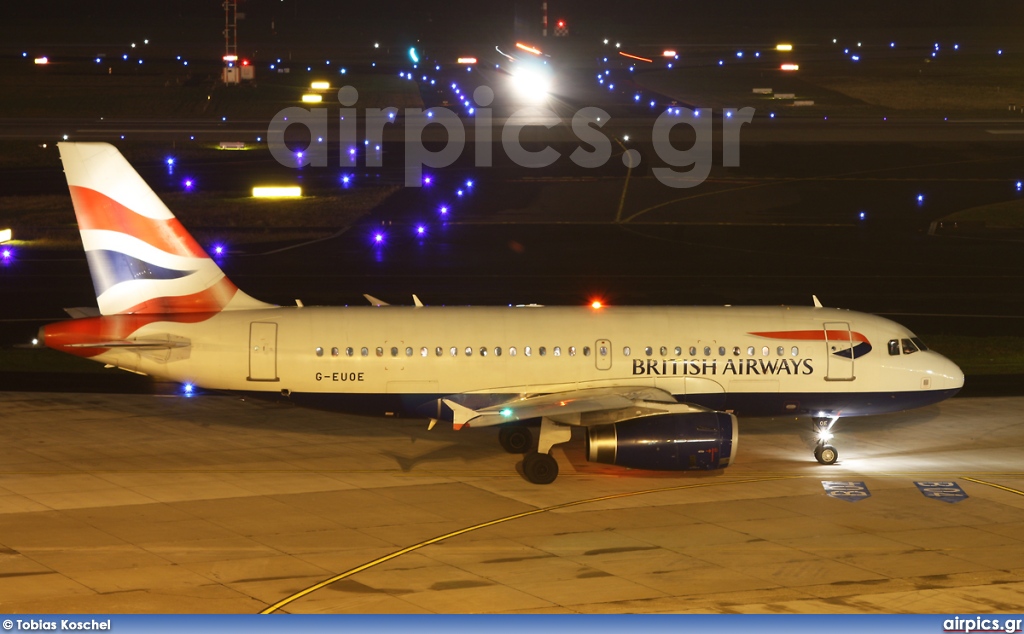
<point x="141" y="259"/>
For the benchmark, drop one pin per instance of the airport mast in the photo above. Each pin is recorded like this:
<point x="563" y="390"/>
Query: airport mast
<point x="230" y="74"/>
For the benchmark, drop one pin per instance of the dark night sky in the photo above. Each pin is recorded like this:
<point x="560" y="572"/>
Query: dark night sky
<point x="321" y="22"/>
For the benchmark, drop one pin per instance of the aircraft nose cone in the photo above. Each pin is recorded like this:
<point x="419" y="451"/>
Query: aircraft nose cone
<point x="954" y="376"/>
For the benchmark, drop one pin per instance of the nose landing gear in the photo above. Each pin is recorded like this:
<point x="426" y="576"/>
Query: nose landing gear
<point x="825" y="453"/>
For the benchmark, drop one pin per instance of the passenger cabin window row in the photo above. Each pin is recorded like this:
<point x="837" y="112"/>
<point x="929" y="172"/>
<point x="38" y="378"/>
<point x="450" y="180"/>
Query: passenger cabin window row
<point x="722" y="351"/>
<point x="908" y="347"/>
<point x="468" y="351"/>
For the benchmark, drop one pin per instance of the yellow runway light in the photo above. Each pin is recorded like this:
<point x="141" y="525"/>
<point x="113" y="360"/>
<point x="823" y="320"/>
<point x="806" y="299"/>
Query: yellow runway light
<point x="276" y="192"/>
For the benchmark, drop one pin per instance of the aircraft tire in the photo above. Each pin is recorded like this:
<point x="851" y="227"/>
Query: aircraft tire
<point x="826" y="454"/>
<point x="540" y="468"/>
<point x="515" y="438"/>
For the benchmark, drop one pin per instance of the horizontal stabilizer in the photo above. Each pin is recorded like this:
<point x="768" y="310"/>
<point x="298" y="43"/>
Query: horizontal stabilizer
<point x="82" y="312"/>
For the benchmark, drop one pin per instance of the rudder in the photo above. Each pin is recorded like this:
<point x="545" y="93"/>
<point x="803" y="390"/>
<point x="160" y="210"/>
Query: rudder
<point x="142" y="260"/>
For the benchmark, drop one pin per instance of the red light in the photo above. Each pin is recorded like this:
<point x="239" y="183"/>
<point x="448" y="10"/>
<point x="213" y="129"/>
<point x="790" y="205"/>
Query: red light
<point x="245" y="62"/>
<point x="561" y="24"/>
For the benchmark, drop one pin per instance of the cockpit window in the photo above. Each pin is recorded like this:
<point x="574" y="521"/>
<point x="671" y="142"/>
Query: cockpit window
<point x="894" y="347"/>
<point x="920" y="344"/>
<point x="908" y="346"/>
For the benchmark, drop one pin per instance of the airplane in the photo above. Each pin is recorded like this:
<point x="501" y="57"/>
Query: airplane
<point x="656" y="388"/>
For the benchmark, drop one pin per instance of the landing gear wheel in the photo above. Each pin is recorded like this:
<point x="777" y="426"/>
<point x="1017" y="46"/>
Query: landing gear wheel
<point x="540" y="468"/>
<point x="826" y="454"/>
<point x="515" y="439"/>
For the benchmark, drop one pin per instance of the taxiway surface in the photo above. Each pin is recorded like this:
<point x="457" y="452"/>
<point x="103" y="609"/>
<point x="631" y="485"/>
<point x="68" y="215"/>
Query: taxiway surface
<point x="146" y="503"/>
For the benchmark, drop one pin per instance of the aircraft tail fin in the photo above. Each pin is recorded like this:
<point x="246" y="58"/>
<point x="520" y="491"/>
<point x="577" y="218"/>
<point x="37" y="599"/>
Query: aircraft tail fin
<point x="142" y="260"/>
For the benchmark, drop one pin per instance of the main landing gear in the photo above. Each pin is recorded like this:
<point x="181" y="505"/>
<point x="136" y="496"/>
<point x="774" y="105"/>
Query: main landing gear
<point x="823" y="451"/>
<point x="539" y="466"/>
<point x="515" y="438"/>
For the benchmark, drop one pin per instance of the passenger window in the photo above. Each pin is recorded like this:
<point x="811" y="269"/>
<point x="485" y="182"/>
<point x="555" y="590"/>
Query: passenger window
<point x="693" y="351"/>
<point x="765" y="351"/>
<point x="780" y="351"/>
<point x="648" y="351"/>
<point x="735" y="351"/>
<point x="908" y="346"/>
<point x="438" y="351"/>
<point x="920" y="344"/>
<point x="349" y="352"/>
<point x="586" y="351"/>
<point x="795" y="351"/>
<point x="454" y="351"/>
<point x="365" y="352"/>
<point x="394" y="351"/>
<point x="512" y="351"/>
<point x="750" y="351"/>
<point x="721" y="351"/>
<point x="542" y="351"/>
<point x="483" y="351"/>
<point x="497" y="352"/>
<point x="707" y="351"/>
<point x="572" y="351"/>
<point x="557" y="351"/>
<point x="894" y="348"/>
<point x="527" y="351"/>
<point x="469" y="351"/>
<point x="664" y="351"/>
<point x="424" y="352"/>
<point x="408" y="352"/>
<point x="679" y="351"/>
<point x="335" y="352"/>
<point x="625" y="351"/>
<point x="380" y="352"/>
<point x="319" y="352"/>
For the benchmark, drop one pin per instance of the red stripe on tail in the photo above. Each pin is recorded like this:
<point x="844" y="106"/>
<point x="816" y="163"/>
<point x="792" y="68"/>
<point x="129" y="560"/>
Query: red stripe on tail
<point x="97" y="211"/>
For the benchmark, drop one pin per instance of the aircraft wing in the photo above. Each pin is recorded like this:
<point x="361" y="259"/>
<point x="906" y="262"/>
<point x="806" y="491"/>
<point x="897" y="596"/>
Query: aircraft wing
<point x="593" y="406"/>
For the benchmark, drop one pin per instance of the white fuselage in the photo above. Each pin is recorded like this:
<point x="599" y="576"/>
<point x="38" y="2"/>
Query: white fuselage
<point x="401" y="360"/>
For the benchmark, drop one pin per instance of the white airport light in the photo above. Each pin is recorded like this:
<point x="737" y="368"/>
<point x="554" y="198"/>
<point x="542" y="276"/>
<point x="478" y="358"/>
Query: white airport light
<point x="320" y="85"/>
<point x="784" y="47"/>
<point x="790" y="67"/>
<point x="467" y="60"/>
<point x="230" y="58"/>
<point x="42" y="60"/>
<point x="311" y="98"/>
<point x="668" y="53"/>
<point x="5" y="235"/>
<point x="531" y="82"/>
<point x="276" y="192"/>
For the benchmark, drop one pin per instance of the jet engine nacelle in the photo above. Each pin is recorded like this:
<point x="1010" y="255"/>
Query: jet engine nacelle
<point x="666" y="442"/>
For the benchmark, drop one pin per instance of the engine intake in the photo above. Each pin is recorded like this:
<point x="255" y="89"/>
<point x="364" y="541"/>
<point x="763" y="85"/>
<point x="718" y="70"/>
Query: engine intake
<point x="666" y="442"/>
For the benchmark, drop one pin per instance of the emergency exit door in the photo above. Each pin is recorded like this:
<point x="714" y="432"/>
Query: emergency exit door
<point x="262" y="351"/>
<point x="603" y="354"/>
